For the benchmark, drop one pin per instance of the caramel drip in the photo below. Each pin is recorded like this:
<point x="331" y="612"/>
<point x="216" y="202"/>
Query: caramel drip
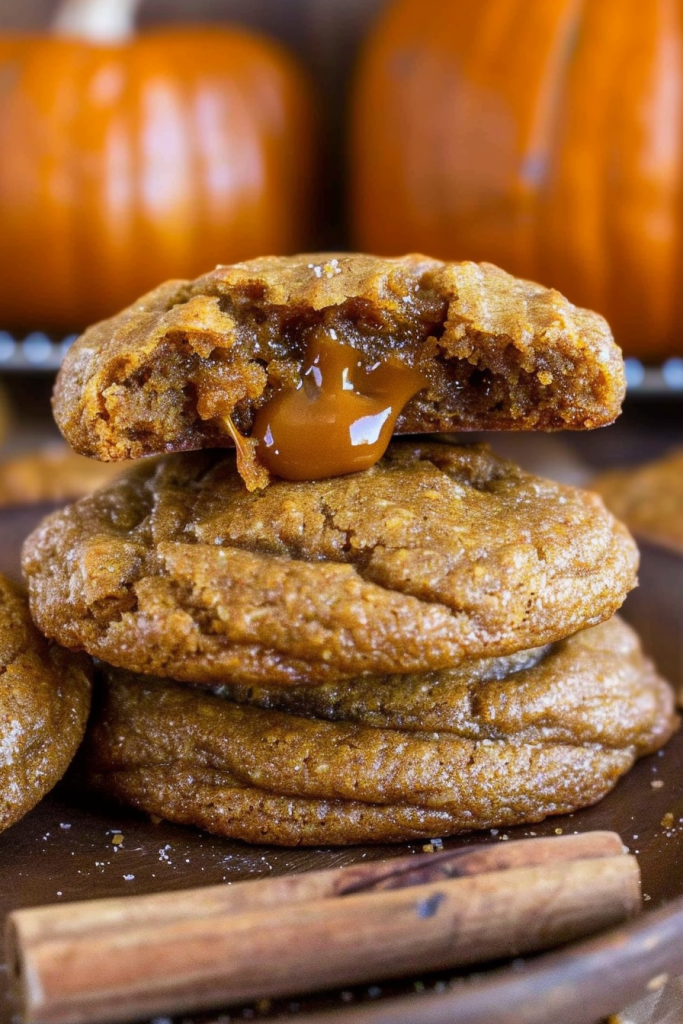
<point x="340" y="417"/>
<point x="248" y="465"/>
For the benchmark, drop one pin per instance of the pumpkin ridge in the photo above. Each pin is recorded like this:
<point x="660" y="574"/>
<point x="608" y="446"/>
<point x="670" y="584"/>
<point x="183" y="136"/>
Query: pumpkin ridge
<point x="543" y="135"/>
<point x="99" y="174"/>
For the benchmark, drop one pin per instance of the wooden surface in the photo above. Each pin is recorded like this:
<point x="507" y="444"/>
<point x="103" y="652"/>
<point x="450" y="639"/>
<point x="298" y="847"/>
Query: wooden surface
<point x="65" y="850"/>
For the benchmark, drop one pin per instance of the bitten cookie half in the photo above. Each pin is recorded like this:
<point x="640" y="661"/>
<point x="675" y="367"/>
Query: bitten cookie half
<point x="515" y="752"/>
<point x="437" y="554"/>
<point x="496" y="352"/>
<point x="44" y="705"/>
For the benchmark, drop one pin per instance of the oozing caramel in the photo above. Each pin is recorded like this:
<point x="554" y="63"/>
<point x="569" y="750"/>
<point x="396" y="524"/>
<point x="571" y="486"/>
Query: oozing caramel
<point x="249" y="467"/>
<point x="340" y="417"/>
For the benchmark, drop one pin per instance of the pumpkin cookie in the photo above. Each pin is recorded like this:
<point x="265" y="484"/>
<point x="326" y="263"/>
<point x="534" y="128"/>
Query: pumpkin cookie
<point x="44" y="704"/>
<point x="436" y="555"/>
<point x="556" y="693"/>
<point x="648" y="498"/>
<point x="53" y="473"/>
<point x="190" y="364"/>
<point x="515" y="751"/>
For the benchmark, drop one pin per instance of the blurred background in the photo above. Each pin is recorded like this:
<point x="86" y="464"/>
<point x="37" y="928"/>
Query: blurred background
<point x="147" y="139"/>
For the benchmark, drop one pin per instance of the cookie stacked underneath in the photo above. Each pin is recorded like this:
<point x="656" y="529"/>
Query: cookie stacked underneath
<point x="420" y="648"/>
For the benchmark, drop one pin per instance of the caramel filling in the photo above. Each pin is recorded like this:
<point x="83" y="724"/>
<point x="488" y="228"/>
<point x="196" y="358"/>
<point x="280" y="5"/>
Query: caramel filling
<point x="340" y="417"/>
<point x="249" y="467"/>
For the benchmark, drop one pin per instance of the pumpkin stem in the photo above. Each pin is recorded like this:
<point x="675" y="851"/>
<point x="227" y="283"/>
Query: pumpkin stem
<point x="99" y="21"/>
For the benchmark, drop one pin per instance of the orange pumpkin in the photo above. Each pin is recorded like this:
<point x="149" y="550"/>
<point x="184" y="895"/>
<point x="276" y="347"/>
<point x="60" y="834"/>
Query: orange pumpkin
<point x="543" y="135"/>
<point x="126" y="161"/>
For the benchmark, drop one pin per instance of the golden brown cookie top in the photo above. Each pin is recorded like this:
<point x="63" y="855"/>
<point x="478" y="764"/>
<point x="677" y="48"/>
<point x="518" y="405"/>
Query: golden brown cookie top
<point x="437" y="554"/>
<point x="496" y="352"/>
<point x="44" y="704"/>
<point x="648" y="498"/>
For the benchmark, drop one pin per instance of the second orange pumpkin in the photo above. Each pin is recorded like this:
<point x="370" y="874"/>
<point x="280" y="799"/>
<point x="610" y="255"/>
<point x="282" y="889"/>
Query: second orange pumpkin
<point x="543" y="135"/>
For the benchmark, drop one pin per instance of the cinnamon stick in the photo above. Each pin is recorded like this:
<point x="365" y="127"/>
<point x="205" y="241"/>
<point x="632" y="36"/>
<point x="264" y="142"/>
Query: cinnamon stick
<point x="172" y="953"/>
<point x="397" y="872"/>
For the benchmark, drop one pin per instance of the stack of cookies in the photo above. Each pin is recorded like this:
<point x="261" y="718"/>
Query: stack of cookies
<point x="310" y="631"/>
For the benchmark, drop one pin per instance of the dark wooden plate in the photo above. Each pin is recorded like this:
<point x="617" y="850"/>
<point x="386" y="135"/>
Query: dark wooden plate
<point x="63" y="851"/>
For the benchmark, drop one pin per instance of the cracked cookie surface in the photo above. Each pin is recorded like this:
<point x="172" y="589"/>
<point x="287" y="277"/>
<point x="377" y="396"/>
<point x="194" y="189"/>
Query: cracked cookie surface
<point x="436" y="555"/>
<point x="44" y="704"/>
<point x="469" y="753"/>
<point x="497" y="352"/>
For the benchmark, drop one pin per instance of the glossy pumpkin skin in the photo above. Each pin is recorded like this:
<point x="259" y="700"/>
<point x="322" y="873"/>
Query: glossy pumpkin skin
<point x="542" y="135"/>
<point x="124" y="165"/>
